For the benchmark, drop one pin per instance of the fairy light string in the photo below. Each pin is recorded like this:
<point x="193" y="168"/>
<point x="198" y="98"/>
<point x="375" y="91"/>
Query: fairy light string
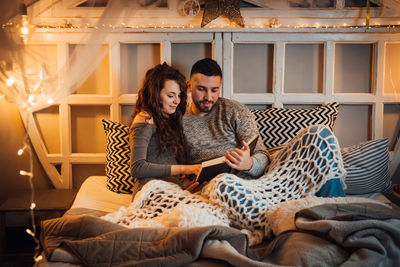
<point x="12" y="76"/>
<point x="367" y="16"/>
<point x="26" y="149"/>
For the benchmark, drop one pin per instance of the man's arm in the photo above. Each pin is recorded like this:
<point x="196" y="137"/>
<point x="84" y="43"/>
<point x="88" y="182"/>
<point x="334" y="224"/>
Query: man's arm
<point x="246" y="127"/>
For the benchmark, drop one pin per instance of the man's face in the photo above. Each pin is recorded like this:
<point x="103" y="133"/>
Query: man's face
<point x="205" y="92"/>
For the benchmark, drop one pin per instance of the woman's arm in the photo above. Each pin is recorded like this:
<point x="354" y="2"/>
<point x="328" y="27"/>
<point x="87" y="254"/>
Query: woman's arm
<point x="140" y="136"/>
<point x="141" y="132"/>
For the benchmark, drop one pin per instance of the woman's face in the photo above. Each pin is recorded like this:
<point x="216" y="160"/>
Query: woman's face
<point x="170" y="96"/>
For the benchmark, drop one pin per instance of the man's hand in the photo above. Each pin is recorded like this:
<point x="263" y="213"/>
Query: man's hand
<point x="240" y="159"/>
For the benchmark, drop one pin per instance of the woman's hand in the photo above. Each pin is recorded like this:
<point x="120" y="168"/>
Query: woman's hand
<point x="185" y="169"/>
<point x="193" y="169"/>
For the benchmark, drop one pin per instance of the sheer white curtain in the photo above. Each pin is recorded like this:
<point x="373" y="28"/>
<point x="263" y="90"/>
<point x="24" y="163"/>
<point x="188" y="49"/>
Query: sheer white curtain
<point x="24" y="76"/>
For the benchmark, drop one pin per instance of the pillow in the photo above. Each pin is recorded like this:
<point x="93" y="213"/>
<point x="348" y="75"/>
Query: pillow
<point x="278" y="126"/>
<point x="367" y="167"/>
<point x="118" y="173"/>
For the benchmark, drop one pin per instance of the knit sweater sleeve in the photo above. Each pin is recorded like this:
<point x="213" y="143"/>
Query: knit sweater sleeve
<point x="246" y="128"/>
<point x="140" y="139"/>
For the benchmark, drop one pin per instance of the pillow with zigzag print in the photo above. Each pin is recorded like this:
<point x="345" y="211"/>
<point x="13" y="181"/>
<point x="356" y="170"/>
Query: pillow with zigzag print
<point x="278" y="126"/>
<point x="118" y="174"/>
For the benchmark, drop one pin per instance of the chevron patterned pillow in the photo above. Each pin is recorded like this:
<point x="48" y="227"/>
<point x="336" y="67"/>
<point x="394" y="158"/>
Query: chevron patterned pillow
<point x="118" y="174"/>
<point x="278" y="126"/>
<point x="367" y="167"/>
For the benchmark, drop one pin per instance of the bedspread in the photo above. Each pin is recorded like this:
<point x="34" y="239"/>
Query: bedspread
<point x="331" y="235"/>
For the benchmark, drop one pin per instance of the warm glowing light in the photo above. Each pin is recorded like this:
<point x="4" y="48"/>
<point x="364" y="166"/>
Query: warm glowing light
<point x="20" y="152"/>
<point x="33" y="205"/>
<point x="29" y="231"/>
<point x="50" y="101"/>
<point x="25" y="173"/>
<point x="10" y="81"/>
<point x="36" y="87"/>
<point x="31" y="98"/>
<point x="38" y="258"/>
<point x="24" y="30"/>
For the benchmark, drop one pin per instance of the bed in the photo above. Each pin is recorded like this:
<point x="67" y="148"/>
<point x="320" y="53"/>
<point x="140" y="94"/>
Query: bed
<point x="353" y="233"/>
<point x="361" y="229"/>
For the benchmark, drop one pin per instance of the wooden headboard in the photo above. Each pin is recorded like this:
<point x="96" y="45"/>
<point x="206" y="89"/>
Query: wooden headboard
<point x="260" y="69"/>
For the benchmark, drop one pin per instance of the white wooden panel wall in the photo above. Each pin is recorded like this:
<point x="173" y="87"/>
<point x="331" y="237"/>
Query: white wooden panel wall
<point x="114" y="99"/>
<point x="222" y="44"/>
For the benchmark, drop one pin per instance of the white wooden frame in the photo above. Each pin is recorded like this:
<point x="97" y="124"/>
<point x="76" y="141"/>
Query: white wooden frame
<point x="66" y="157"/>
<point x="222" y="51"/>
<point x="278" y="98"/>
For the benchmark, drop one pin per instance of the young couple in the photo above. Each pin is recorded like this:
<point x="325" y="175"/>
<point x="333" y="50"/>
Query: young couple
<point x="168" y="142"/>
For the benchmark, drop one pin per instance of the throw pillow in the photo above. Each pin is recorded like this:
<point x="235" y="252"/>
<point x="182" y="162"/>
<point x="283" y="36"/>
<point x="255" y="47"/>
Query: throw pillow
<point x="367" y="167"/>
<point x="278" y="126"/>
<point x="118" y="174"/>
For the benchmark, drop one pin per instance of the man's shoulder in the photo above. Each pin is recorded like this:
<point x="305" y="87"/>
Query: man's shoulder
<point x="232" y="104"/>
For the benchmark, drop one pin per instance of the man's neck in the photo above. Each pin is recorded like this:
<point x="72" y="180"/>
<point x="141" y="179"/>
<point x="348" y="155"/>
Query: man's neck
<point x="197" y="112"/>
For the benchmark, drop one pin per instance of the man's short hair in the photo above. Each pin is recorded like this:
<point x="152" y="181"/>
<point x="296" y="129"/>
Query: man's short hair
<point x="206" y="66"/>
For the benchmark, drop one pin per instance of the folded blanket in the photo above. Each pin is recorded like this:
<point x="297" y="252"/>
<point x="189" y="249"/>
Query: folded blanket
<point x="98" y="242"/>
<point x="370" y="231"/>
<point x="361" y="234"/>
<point x="353" y="234"/>
<point x="280" y="217"/>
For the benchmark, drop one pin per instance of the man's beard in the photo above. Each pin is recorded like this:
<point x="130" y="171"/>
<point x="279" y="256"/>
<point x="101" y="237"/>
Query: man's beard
<point x="204" y="109"/>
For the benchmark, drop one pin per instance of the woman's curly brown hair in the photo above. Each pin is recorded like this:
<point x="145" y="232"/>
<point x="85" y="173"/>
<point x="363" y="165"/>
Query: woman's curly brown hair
<point x="169" y="128"/>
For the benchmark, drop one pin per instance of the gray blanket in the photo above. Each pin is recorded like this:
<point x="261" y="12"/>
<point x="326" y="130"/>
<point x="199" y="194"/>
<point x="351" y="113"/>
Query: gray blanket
<point x="328" y="235"/>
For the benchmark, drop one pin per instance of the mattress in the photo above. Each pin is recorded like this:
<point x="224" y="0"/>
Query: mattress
<point x="94" y="194"/>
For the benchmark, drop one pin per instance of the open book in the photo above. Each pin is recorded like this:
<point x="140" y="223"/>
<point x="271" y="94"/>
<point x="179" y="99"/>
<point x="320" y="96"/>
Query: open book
<point x="213" y="167"/>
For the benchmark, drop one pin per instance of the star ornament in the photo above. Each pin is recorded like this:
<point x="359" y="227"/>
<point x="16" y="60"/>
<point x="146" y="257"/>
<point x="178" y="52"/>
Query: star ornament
<point x="227" y="8"/>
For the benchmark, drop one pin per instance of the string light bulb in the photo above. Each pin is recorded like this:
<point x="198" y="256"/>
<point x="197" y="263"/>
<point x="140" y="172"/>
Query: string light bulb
<point x="31" y="99"/>
<point x="24" y="27"/>
<point x="25" y="173"/>
<point x="29" y="231"/>
<point x="38" y="258"/>
<point x="21" y="151"/>
<point x="10" y="81"/>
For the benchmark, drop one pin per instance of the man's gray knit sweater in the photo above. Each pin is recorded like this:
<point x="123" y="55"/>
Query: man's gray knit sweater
<point x="222" y="130"/>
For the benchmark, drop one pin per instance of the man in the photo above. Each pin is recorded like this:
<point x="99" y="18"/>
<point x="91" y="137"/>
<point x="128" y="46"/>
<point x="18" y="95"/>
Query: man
<point x="216" y="126"/>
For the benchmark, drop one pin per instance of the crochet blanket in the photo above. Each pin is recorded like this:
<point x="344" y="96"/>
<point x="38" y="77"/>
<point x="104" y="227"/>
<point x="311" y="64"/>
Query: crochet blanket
<point x="299" y="170"/>
<point x="179" y="208"/>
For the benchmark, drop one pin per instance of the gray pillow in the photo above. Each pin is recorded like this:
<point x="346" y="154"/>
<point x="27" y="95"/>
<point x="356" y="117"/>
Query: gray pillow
<point x="367" y="167"/>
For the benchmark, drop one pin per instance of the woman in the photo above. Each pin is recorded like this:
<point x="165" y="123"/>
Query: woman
<point x="156" y="134"/>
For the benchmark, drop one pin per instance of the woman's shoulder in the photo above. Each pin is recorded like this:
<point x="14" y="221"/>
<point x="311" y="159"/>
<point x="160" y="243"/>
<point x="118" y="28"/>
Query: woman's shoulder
<point x="143" y="117"/>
